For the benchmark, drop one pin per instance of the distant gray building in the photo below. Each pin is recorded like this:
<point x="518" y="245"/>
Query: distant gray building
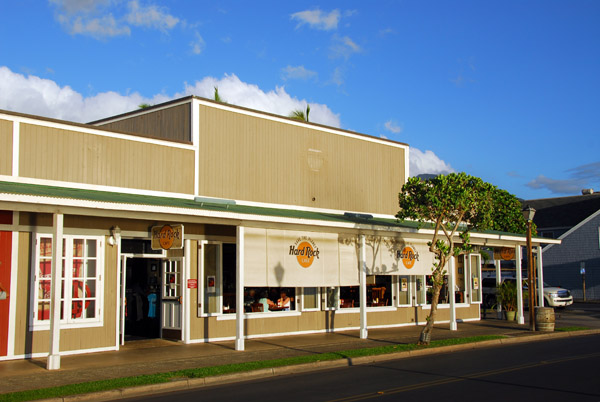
<point x="576" y="221"/>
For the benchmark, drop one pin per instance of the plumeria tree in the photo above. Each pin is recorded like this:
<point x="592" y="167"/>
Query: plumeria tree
<point x="454" y="205"/>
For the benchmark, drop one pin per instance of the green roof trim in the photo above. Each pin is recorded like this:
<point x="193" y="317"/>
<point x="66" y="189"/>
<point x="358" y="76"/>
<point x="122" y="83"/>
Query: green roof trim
<point x="137" y="199"/>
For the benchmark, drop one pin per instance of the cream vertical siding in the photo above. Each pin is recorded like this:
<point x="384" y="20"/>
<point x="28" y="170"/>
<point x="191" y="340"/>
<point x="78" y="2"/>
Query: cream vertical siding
<point x="250" y="158"/>
<point x="6" y="132"/>
<point x="54" y="154"/>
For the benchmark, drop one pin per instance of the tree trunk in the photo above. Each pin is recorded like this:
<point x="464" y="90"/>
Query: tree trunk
<point x="425" y="337"/>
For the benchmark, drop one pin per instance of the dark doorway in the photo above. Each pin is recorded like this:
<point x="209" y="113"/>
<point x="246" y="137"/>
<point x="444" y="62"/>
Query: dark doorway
<point x="142" y="293"/>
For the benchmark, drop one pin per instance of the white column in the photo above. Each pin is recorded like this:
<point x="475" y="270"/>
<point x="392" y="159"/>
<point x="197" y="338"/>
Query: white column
<point x="540" y="277"/>
<point x="520" y="317"/>
<point x="452" y="295"/>
<point x="53" y="362"/>
<point x="498" y="266"/>
<point x="363" y="289"/>
<point x="239" y="291"/>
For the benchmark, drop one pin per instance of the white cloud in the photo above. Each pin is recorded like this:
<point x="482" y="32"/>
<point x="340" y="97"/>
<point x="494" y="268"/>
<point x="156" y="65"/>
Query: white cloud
<point x="276" y="101"/>
<point x="39" y="96"/>
<point x="338" y="76"/>
<point x="150" y="17"/>
<point x="427" y="163"/>
<point x="91" y="17"/>
<point x="298" y="73"/>
<point x="98" y="28"/>
<point x="317" y="19"/>
<point x="558" y="186"/>
<point x="343" y="46"/>
<point x="197" y="44"/>
<point x="393" y="127"/>
<point x="44" y="97"/>
<point x="79" y="6"/>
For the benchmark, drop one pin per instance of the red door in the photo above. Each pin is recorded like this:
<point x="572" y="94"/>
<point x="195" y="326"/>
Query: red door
<point x="5" y="259"/>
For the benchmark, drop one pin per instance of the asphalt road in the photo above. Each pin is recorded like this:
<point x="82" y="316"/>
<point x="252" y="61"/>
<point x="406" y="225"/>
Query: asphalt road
<point x="556" y="370"/>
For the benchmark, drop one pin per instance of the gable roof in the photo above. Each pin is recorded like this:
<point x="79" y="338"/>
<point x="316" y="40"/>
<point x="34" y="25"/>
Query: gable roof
<point x="564" y="212"/>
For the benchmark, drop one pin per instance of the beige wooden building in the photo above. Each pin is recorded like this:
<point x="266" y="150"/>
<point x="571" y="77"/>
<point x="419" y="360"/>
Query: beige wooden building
<point x="200" y="221"/>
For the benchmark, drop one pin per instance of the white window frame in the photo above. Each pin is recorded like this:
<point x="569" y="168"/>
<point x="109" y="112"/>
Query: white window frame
<point x="324" y="298"/>
<point x="397" y="290"/>
<point x="471" y="279"/>
<point x="67" y="321"/>
<point x="218" y="280"/>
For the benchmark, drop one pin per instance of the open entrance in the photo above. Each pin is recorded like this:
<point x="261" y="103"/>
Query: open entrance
<point x="150" y="293"/>
<point x="142" y="298"/>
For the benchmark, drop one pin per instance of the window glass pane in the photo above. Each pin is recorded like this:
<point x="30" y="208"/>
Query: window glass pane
<point x="331" y="297"/>
<point x="459" y="278"/>
<point x="45" y="247"/>
<point x="404" y="290"/>
<point x="228" y="278"/>
<point x="263" y="299"/>
<point x="379" y="290"/>
<point x="421" y="289"/>
<point x="211" y="293"/>
<point x="90" y="311"/>
<point x="64" y="249"/>
<point x="90" y="289"/>
<point x="43" y="311"/>
<point x="311" y="296"/>
<point x="78" y="247"/>
<point x="44" y="290"/>
<point x="77" y="268"/>
<point x="77" y="309"/>
<point x="91" y="268"/>
<point x="77" y="289"/>
<point x="475" y="278"/>
<point x="91" y="248"/>
<point x="349" y="297"/>
<point x="45" y="268"/>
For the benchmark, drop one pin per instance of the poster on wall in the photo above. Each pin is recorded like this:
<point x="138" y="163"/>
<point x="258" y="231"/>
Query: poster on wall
<point x="404" y="284"/>
<point x="210" y="284"/>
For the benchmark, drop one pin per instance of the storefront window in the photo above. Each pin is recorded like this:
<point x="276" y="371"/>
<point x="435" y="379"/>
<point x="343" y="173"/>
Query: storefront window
<point x="212" y="261"/>
<point x="421" y="290"/>
<point x="331" y="298"/>
<point x="264" y="300"/>
<point x="459" y="278"/>
<point x="80" y="275"/>
<point x="475" y="268"/>
<point x="425" y="290"/>
<point x="310" y="298"/>
<point x="404" y="290"/>
<point x="379" y="290"/>
<point x="349" y="297"/>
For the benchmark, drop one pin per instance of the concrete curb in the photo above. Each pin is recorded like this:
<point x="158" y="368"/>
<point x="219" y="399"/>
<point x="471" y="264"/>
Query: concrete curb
<point x="193" y="383"/>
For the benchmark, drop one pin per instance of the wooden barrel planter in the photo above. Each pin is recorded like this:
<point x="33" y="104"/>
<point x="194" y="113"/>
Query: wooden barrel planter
<point x="544" y="319"/>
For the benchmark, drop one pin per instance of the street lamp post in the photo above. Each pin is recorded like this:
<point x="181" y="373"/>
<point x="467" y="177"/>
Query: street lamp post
<point x="528" y="213"/>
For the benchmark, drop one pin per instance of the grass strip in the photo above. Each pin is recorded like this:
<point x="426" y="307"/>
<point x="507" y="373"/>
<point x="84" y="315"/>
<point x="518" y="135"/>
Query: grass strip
<point x="570" y="329"/>
<point x="105" y="385"/>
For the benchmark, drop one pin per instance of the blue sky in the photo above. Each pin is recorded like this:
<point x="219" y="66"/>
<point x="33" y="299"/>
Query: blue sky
<point x="505" y="90"/>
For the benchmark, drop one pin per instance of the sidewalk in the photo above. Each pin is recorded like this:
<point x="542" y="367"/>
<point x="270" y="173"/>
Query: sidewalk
<point x="157" y="355"/>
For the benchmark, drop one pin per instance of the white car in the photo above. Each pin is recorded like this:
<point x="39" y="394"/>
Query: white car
<point x="553" y="296"/>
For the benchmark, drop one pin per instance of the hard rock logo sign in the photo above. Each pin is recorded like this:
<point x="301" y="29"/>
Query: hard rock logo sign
<point x="408" y="255"/>
<point x="305" y="251"/>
